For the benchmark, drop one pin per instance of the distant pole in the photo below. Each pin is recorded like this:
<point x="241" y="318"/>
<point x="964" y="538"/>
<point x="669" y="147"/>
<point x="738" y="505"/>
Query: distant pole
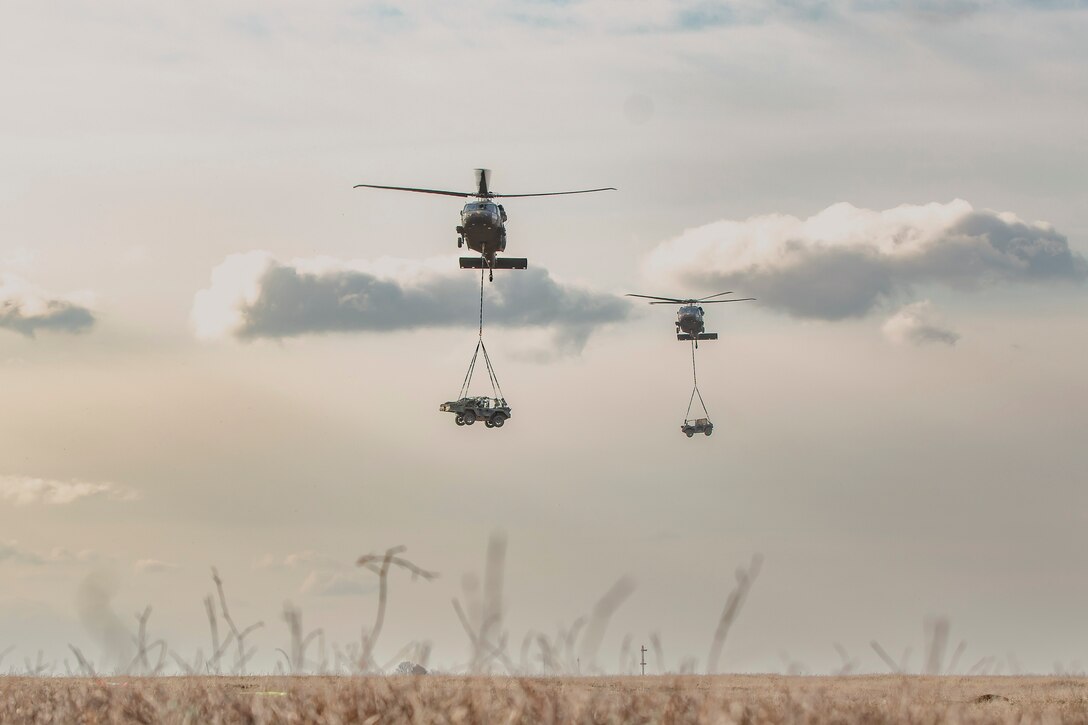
<point x="643" y="663"/>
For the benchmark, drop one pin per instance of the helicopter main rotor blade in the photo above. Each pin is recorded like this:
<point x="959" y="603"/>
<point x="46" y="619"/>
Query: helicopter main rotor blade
<point x="666" y="300"/>
<point x="461" y="194"/>
<point x="717" y="295"/>
<point x="742" y="299"/>
<point x="552" y="193"/>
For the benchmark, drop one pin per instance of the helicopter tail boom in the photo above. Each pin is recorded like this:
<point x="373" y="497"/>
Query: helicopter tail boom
<point x="483" y="183"/>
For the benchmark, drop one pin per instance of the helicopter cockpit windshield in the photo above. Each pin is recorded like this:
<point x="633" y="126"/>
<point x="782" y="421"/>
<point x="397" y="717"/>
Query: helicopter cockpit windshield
<point x="690" y="311"/>
<point x="483" y="207"/>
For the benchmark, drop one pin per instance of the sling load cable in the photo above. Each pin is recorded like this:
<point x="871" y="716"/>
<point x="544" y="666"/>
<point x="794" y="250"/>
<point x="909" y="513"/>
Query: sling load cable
<point x="496" y="389"/>
<point x="695" y="389"/>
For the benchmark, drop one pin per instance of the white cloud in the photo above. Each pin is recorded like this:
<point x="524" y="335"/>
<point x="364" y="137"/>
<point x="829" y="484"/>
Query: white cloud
<point x="918" y="324"/>
<point x="219" y="311"/>
<point x="23" y="490"/>
<point x="307" y="558"/>
<point x="336" y="584"/>
<point x="13" y="552"/>
<point x="846" y="262"/>
<point x="253" y="296"/>
<point x="62" y="555"/>
<point x="153" y="566"/>
<point x="26" y="309"/>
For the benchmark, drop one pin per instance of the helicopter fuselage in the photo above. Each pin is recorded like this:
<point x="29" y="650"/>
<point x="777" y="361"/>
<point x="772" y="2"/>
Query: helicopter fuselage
<point x="689" y="321"/>
<point x="483" y="228"/>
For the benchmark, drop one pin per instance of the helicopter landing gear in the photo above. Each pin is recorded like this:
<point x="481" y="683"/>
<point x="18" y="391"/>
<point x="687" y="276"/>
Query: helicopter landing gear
<point x="460" y="242"/>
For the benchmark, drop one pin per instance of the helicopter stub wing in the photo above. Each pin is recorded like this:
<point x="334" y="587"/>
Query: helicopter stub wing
<point x="684" y="337"/>
<point x="500" y="263"/>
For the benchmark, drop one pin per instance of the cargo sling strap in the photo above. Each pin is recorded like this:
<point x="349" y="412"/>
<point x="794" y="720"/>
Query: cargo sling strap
<point x="496" y="389"/>
<point x="694" y="389"/>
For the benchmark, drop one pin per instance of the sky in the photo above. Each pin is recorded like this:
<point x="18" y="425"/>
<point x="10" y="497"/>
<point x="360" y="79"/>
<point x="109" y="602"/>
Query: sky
<point x="215" y="352"/>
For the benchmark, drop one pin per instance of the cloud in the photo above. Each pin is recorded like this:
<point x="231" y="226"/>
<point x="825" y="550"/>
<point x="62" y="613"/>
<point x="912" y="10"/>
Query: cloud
<point x="153" y="566"/>
<point x="23" y="490"/>
<point x="254" y="296"/>
<point x="26" y="309"/>
<point x="671" y="16"/>
<point x="916" y="324"/>
<point x="336" y="584"/>
<point x="847" y="262"/>
<point x="13" y="552"/>
<point x="328" y="577"/>
<point x="307" y="558"/>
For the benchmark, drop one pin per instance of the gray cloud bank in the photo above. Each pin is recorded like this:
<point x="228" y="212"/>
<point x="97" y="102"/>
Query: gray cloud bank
<point x="27" y="310"/>
<point x="846" y="262"/>
<point x="254" y="296"/>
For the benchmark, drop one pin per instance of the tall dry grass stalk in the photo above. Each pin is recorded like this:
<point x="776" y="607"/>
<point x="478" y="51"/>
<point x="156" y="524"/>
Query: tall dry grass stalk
<point x="380" y="565"/>
<point x="745" y="579"/>
<point x="571" y="650"/>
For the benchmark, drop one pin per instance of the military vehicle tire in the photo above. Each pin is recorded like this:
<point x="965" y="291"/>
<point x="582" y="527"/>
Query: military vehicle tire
<point x="708" y="431"/>
<point x="489" y="424"/>
<point x="459" y="420"/>
<point x="688" y="433"/>
<point x="470" y="417"/>
<point x="498" y="420"/>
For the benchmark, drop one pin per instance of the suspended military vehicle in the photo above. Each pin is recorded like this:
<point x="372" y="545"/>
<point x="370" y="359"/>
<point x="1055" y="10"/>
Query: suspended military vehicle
<point x="492" y="409"/>
<point x="691" y="426"/>
<point x="483" y="222"/>
<point x="689" y="318"/>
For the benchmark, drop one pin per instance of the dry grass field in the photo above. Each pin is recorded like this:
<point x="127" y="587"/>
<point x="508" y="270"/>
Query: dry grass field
<point x="455" y="699"/>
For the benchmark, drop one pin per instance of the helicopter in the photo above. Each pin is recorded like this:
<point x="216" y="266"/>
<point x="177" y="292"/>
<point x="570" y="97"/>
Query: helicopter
<point x="483" y="222"/>
<point x="689" y="318"/>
